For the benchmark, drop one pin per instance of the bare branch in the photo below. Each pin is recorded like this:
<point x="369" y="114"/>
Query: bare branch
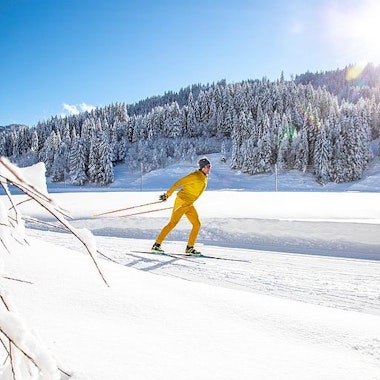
<point x="12" y="342"/>
<point x="11" y="358"/>
<point x="5" y="246"/>
<point x="108" y="258"/>
<point x="34" y="220"/>
<point x="44" y="201"/>
<point x="8" y="194"/>
<point x="16" y="279"/>
<point x="19" y="348"/>
<point x="31" y="188"/>
<point x="5" y="304"/>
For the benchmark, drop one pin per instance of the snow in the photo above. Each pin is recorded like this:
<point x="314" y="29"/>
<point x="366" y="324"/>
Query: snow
<point x="301" y="300"/>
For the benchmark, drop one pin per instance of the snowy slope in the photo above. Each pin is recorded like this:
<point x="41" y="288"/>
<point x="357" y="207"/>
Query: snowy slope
<point x="302" y="302"/>
<point x="147" y="326"/>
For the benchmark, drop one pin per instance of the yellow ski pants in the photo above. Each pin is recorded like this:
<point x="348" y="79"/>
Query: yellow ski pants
<point x="181" y="208"/>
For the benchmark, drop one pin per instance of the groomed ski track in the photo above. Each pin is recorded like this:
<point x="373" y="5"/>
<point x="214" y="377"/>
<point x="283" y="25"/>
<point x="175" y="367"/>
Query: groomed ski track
<point x="338" y="282"/>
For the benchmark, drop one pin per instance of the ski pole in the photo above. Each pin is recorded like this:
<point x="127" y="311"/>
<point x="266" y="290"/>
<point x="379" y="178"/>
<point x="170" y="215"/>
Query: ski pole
<point x="145" y="212"/>
<point x="126" y="208"/>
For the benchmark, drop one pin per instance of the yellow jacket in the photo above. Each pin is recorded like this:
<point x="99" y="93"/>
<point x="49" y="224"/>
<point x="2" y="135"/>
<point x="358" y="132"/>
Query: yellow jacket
<point x="193" y="186"/>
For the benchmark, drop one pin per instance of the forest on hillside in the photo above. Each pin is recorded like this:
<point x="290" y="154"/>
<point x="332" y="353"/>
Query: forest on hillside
<point x="322" y="123"/>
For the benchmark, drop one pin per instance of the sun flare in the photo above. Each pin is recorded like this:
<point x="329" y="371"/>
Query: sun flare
<point x="355" y="31"/>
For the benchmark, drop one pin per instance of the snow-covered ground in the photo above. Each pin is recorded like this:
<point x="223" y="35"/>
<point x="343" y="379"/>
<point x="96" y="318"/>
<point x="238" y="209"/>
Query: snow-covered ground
<point x="296" y="294"/>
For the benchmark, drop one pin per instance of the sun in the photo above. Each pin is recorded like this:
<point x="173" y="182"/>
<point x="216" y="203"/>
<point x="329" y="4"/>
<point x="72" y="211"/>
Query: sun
<point x="355" y="30"/>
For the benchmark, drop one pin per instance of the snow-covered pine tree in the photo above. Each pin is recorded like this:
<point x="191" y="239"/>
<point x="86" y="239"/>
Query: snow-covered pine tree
<point x="100" y="168"/>
<point x="362" y="122"/>
<point x="172" y="123"/>
<point x="191" y="122"/>
<point x="228" y="116"/>
<point x="107" y="173"/>
<point x="283" y="143"/>
<point x="265" y="147"/>
<point x="2" y="145"/>
<point x="59" y="164"/>
<point x="238" y="154"/>
<point x="211" y="125"/>
<point x="337" y="161"/>
<point x="249" y="155"/>
<point x="223" y="152"/>
<point x="34" y="142"/>
<point x="300" y="150"/>
<point x="322" y="155"/>
<point x="49" y="149"/>
<point x="78" y="159"/>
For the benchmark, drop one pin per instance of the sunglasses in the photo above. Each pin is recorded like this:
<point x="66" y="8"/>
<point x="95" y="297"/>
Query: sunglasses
<point x="208" y="166"/>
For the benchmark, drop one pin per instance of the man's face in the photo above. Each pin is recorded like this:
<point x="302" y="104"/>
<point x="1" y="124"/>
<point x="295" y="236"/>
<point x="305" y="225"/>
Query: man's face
<point x="206" y="169"/>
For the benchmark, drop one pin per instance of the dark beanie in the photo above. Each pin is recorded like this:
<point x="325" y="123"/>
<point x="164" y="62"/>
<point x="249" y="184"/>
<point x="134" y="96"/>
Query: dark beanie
<point x="203" y="162"/>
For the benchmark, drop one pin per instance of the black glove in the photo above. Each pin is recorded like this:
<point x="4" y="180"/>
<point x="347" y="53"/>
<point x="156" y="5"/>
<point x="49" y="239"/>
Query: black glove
<point x="163" y="197"/>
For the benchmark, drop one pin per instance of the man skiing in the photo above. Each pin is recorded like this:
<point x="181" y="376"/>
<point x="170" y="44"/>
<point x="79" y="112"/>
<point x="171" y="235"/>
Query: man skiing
<point x="193" y="186"/>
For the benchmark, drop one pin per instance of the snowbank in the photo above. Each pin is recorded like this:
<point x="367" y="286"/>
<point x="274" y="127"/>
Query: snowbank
<point x="363" y="207"/>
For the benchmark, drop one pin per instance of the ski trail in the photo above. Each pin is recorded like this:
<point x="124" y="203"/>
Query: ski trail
<point x="348" y="284"/>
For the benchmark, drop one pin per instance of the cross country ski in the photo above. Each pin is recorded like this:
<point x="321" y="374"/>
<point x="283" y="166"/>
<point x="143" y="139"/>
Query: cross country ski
<point x="184" y="256"/>
<point x="172" y="255"/>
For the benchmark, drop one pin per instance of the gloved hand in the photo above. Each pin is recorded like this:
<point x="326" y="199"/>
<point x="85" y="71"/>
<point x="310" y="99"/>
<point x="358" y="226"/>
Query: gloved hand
<point x="163" y="197"/>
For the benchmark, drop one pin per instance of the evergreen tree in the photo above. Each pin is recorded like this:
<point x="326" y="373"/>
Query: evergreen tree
<point x="34" y="142"/>
<point x="337" y="172"/>
<point x="3" y="142"/>
<point x="249" y="153"/>
<point x="59" y="164"/>
<point x="265" y="147"/>
<point x="226" y="115"/>
<point x="356" y="145"/>
<point x="14" y="144"/>
<point x="77" y="161"/>
<point x="173" y="127"/>
<point x="100" y="168"/>
<point x="191" y="122"/>
<point x="49" y="149"/>
<point x="223" y="152"/>
<point x="238" y="151"/>
<point x="300" y="150"/>
<point x="322" y="155"/>
<point x="107" y="173"/>
<point x="283" y="143"/>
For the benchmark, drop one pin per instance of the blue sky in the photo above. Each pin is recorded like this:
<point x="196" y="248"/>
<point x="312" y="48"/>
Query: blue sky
<point x="59" y="57"/>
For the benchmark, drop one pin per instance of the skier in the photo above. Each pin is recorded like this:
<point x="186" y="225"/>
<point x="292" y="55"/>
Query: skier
<point x="193" y="186"/>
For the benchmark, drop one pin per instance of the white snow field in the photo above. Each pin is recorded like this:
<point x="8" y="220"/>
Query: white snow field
<point x="294" y="295"/>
